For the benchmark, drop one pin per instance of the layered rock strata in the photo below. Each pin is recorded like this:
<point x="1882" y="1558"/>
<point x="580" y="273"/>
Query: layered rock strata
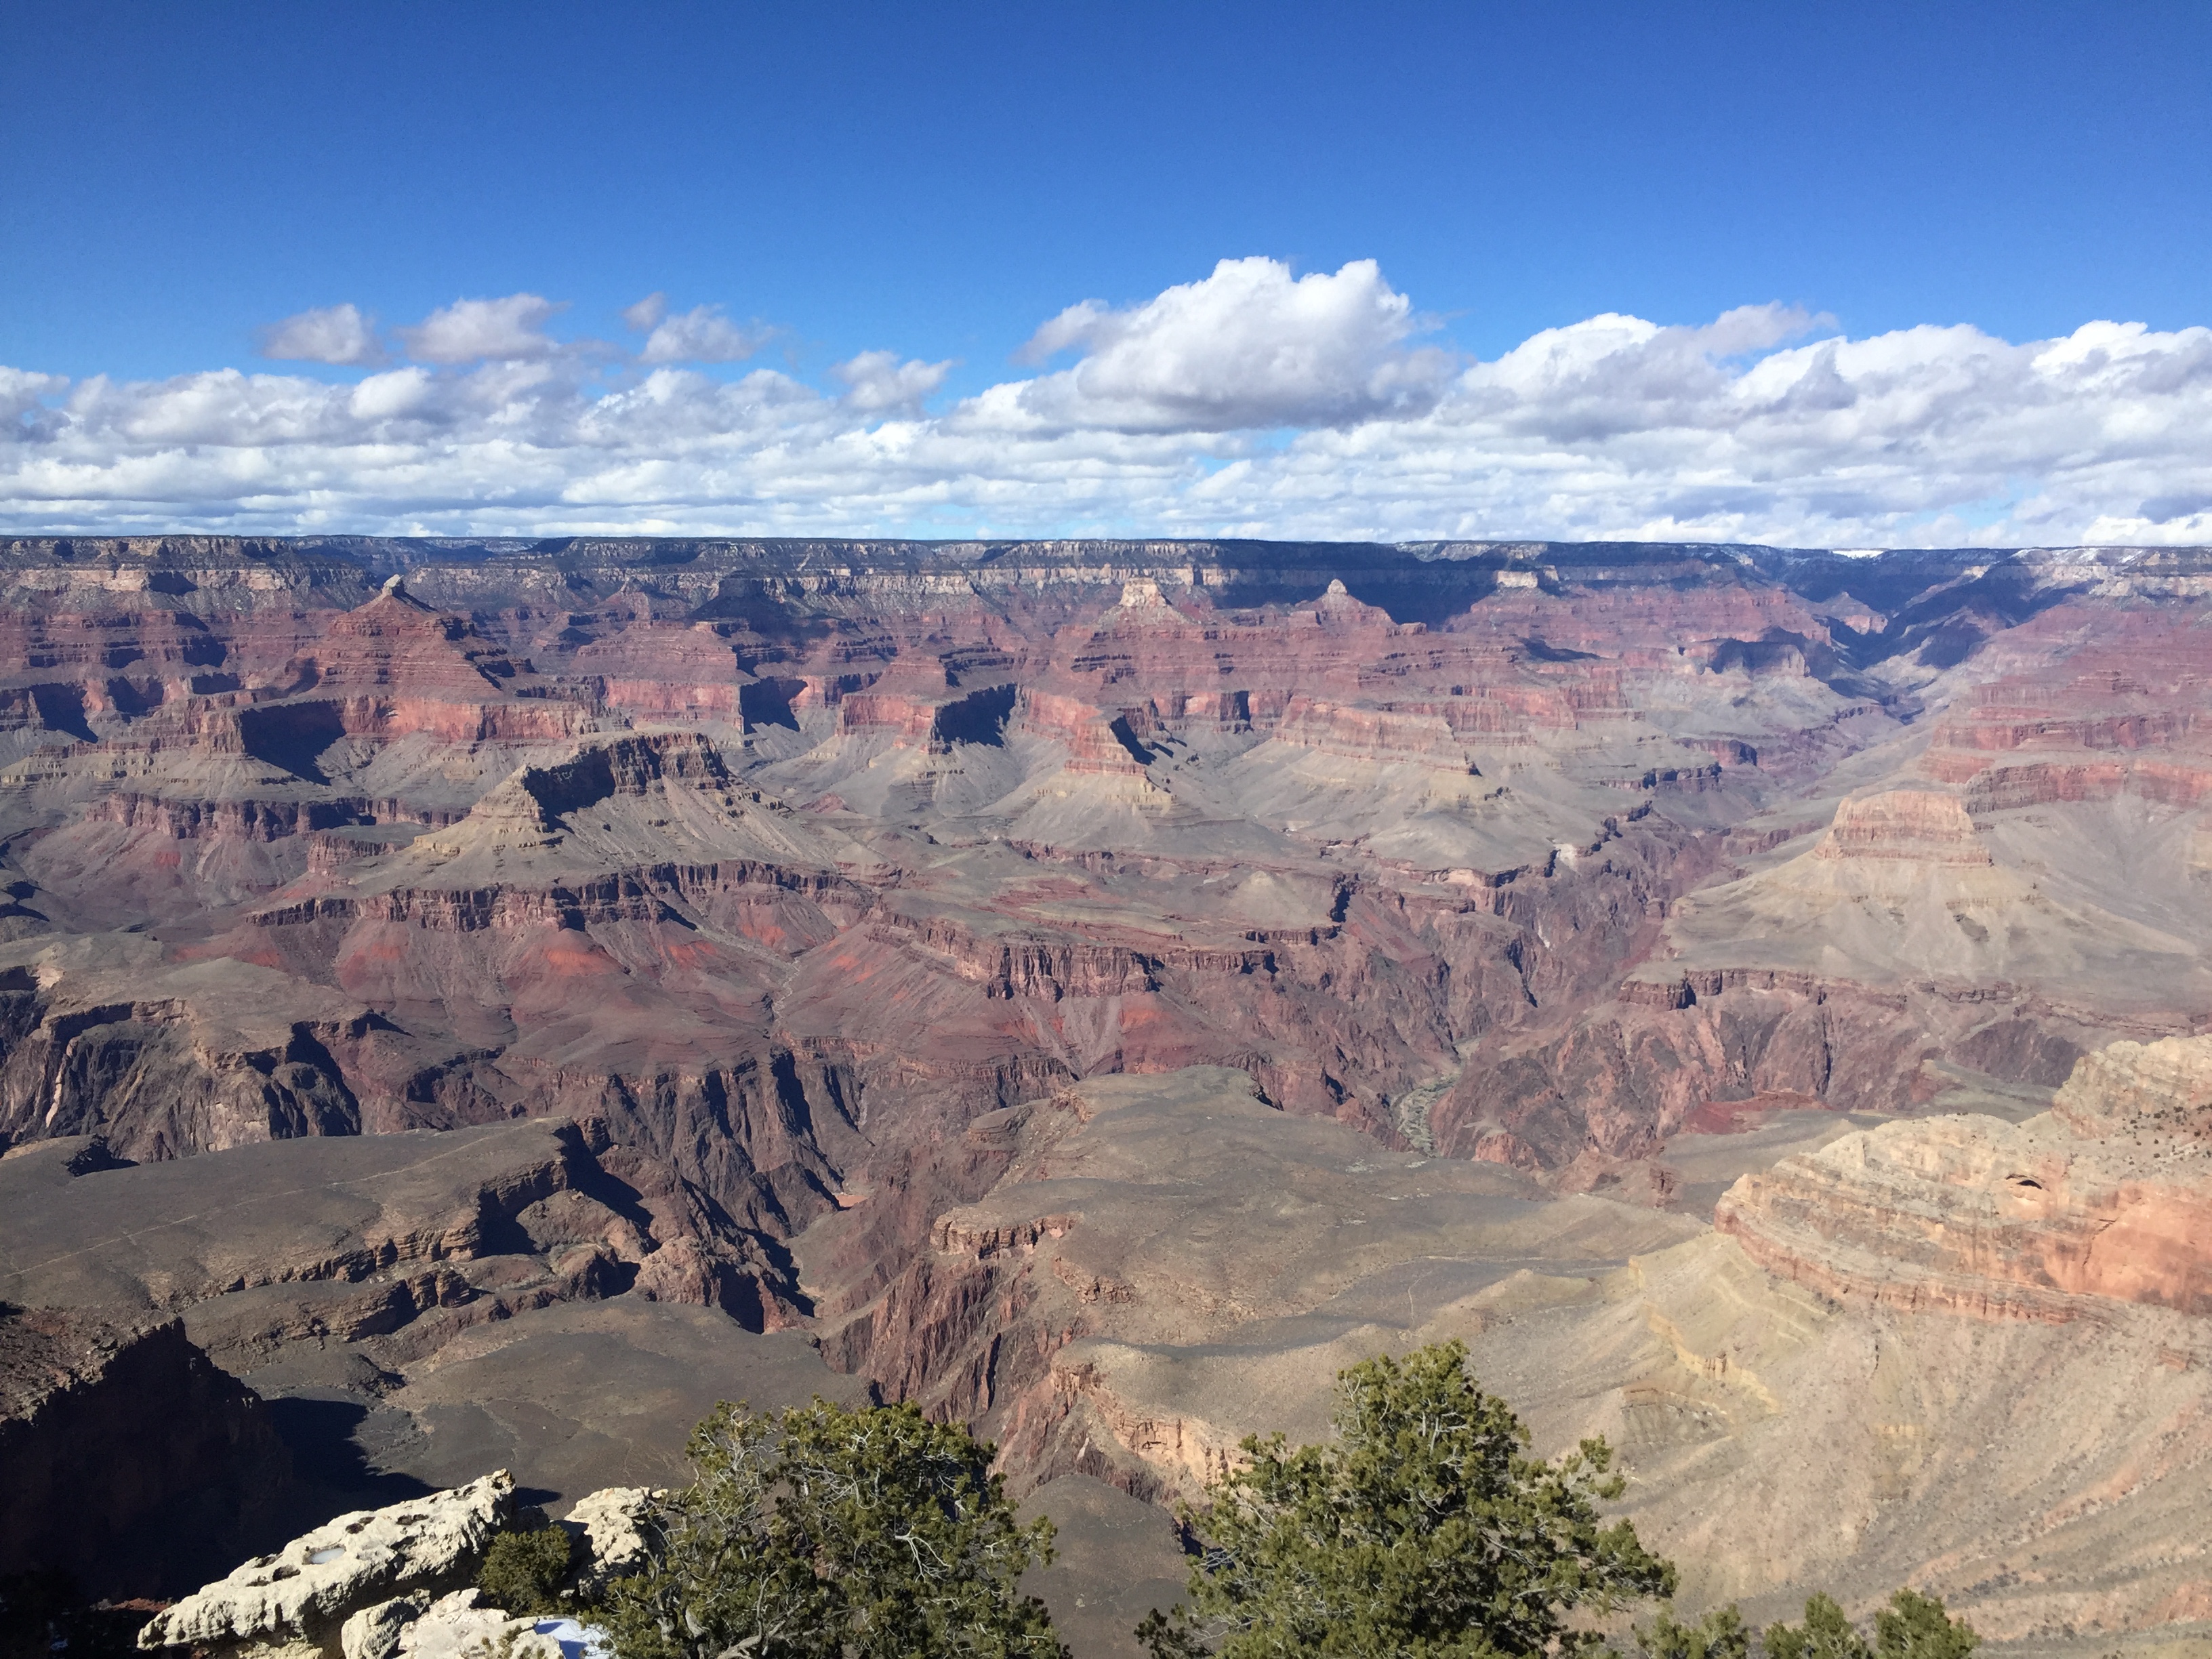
<point x="1910" y="1374"/>
<point x="2106" y="1199"/>
<point x="782" y="865"/>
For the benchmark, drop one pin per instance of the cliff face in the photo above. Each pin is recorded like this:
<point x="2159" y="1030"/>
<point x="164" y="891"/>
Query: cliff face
<point x="2108" y="1198"/>
<point x="1959" y="1352"/>
<point x="133" y="1464"/>
<point x="1099" y="988"/>
<point x="327" y="1259"/>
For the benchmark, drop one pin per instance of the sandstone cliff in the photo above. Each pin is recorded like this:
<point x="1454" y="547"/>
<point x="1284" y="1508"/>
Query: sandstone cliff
<point x="2107" y="1198"/>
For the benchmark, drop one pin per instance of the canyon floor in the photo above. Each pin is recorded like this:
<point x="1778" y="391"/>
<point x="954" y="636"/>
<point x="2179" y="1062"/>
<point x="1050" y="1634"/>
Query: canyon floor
<point x="504" y="998"/>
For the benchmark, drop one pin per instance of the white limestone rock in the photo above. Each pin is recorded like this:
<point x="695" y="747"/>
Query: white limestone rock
<point x="375" y="1632"/>
<point x="307" y="1589"/>
<point x="456" y="1627"/>
<point x="612" y="1522"/>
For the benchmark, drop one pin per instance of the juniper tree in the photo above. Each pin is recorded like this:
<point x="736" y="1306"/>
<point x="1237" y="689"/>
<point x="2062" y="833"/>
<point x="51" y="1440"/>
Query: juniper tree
<point x="1721" y="1634"/>
<point x="524" y="1568"/>
<point x="828" y="1532"/>
<point x="1912" y="1626"/>
<point x="1424" y="1529"/>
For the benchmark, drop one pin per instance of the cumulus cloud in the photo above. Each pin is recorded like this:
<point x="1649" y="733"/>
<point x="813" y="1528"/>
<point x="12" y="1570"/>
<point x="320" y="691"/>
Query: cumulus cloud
<point x="700" y="335"/>
<point x="326" y="334"/>
<point x="1169" y="417"/>
<point x="475" y="331"/>
<point x="879" y="382"/>
<point x="1250" y="346"/>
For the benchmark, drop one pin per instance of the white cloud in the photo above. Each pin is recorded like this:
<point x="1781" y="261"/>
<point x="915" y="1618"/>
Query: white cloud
<point x="879" y="382"/>
<point x="473" y="331"/>
<point x="1248" y="347"/>
<point x="647" y="311"/>
<point x="23" y="413"/>
<point x="700" y="335"/>
<point x="1761" y="425"/>
<point x="328" y="334"/>
<point x="381" y="396"/>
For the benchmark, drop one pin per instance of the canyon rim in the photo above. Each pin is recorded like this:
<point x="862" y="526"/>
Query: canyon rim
<point x="473" y="1004"/>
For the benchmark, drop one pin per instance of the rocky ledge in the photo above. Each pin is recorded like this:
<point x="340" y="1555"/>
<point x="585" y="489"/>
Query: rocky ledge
<point x="2107" y="1198"/>
<point x="378" y="1584"/>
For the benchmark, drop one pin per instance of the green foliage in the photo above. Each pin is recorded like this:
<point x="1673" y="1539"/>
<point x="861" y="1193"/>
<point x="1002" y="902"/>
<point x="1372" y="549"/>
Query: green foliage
<point x="1915" y="1626"/>
<point x="1912" y="1626"/>
<point x="1721" y="1634"/>
<point x="1826" y="1634"/>
<point x="523" y="1570"/>
<point x="875" y="1533"/>
<point x="1424" y="1529"/>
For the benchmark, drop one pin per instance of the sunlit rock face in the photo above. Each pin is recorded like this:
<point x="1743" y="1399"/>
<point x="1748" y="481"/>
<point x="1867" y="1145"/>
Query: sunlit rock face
<point x="2108" y="1197"/>
<point x="788" y="858"/>
<point x="782" y="861"/>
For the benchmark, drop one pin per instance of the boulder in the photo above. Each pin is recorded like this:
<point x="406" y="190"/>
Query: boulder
<point x="458" y="1624"/>
<point x="306" y="1593"/>
<point x="612" y="1523"/>
<point x="375" y="1632"/>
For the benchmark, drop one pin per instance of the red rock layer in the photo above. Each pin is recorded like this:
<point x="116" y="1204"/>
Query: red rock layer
<point x="2109" y="1199"/>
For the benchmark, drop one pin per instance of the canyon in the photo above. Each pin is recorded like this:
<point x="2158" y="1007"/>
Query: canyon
<point x="481" y="1002"/>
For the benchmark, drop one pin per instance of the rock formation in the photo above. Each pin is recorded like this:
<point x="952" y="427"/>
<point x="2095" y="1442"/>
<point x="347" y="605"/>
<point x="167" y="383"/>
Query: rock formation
<point x="131" y="1461"/>
<point x="378" y="1584"/>
<point x="1912" y="1369"/>
<point x="668" y="954"/>
<point x="2107" y="1198"/>
<point x="300" y="1598"/>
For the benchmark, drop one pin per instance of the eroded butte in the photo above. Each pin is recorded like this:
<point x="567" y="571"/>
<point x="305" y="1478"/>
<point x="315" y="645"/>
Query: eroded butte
<point x="503" y="997"/>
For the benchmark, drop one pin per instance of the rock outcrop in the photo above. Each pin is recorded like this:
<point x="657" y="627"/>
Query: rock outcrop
<point x="390" y="1583"/>
<point x="131" y="1462"/>
<point x="611" y="1524"/>
<point x="302" y="1596"/>
<point x="2108" y="1198"/>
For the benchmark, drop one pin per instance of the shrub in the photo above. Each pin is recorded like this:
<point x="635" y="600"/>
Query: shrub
<point x="523" y="1570"/>
<point x="873" y="1533"/>
<point x="1915" y="1626"/>
<point x="1826" y="1634"/>
<point x="1912" y="1626"/>
<point x="1721" y="1634"/>
<point x="1424" y="1528"/>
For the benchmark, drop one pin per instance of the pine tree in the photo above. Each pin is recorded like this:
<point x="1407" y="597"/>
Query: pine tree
<point x="1721" y="1634"/>
<point x="1915" y="1626"/>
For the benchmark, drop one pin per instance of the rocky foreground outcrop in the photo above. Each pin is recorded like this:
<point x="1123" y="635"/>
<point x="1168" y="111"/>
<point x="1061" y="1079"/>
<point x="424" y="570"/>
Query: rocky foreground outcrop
<point x="377" y="1583"/>
<point x="303" y="1595"/>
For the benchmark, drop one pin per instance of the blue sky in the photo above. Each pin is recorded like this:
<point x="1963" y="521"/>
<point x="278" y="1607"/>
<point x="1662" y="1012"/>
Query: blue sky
<point x="938" y="183"/>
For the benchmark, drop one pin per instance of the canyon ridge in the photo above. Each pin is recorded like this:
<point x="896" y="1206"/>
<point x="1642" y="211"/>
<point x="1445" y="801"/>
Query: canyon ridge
<point x="472" y="1005"/>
